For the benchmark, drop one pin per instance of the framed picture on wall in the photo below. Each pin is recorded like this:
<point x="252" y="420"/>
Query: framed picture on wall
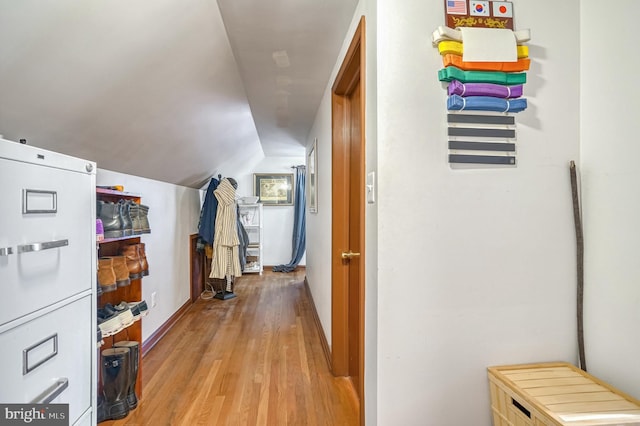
<point x="273" y="189"/>
<point x="312" y="177"/>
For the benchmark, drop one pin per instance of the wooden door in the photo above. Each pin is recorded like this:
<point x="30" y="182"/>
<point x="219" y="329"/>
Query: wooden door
<point x="348" y="203"/>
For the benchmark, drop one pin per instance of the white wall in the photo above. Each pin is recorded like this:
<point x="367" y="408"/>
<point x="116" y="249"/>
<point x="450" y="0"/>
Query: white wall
<point x="610" y="103"/>
<point x="474" y="267"/>
<point x="173" y="215"/>
<point x="278" y="220"/>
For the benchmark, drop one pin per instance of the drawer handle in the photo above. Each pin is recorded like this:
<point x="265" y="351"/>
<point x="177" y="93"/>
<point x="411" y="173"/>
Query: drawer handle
<point x="521" y="408"/>
<point x="52" y="393"/>
<point x="6" y="251"/>
<point x="25" y="248"/>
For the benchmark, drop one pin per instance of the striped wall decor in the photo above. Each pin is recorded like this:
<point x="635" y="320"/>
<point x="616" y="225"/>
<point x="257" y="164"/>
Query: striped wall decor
<point x="481" y="139"/>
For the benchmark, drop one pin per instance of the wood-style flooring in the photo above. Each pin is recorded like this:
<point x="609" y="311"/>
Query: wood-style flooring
<point x="253" y="360"/>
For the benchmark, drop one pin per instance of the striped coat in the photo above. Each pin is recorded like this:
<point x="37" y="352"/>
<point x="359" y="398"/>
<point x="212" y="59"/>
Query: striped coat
<point x="225" y="260"/>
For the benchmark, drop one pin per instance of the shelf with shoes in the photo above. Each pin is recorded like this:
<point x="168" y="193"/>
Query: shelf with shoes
<point x="122" y="264"/>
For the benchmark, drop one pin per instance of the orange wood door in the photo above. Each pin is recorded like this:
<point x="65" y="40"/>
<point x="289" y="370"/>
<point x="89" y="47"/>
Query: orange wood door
<point x="348" y="202"/>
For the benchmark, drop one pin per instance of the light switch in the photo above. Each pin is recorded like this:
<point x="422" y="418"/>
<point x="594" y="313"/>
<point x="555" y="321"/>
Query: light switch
<point x="371" y="187"/>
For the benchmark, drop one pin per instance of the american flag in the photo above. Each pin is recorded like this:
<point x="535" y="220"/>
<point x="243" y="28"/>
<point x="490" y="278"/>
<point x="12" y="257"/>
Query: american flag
<point x="457" y="7"/>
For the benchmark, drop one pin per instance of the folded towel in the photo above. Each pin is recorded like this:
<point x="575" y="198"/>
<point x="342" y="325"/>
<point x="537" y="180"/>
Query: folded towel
<point x="484" y="89"/>
<point x="445" y="33"/>
<point x="456" y="60"/>
<point x="457" y="48"/>
<point x="485" y="103"/>
<point x="453" y="73"/>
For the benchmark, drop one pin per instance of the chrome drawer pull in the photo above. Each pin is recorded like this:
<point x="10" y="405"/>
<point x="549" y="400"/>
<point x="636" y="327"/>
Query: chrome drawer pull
<point x="25" y="248"/>
<point x="51" y="393"/>
<point x="6" y="251"/>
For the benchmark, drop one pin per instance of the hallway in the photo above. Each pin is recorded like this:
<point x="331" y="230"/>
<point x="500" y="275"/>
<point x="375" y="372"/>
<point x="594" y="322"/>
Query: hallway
<point x="253" y="360"/>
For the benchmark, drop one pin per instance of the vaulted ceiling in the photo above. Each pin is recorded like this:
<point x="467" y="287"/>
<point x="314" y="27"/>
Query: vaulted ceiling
<point x="173" y="90"/>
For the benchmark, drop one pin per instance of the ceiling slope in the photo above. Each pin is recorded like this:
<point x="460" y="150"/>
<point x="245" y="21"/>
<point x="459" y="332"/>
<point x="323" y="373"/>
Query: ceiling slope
<point x="152" y="88"/>
<point x="286" y="50"/>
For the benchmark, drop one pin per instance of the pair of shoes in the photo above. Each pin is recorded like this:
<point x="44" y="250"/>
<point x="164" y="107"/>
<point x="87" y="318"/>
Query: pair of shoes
<point x="115" y="217"/>
<point x="109" y="324"/>
<point x="139" y="309"/>
<point x="119" y="367"/>
<point x="122" y="310"/>
<point x="140" y="218"/>
<point x="123" y="219"/>
<point x="114" y="319"/>
<point x="136" y="260"/>
<point x="113" y="272"/>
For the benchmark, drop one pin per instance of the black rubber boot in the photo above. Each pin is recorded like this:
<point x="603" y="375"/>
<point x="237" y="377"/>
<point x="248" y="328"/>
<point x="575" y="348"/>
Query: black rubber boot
<point x="115" y="382"/>
<point x="134" y="351"/>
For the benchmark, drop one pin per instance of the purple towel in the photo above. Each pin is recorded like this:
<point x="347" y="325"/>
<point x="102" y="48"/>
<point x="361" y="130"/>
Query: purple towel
<point x="484" y="89"/>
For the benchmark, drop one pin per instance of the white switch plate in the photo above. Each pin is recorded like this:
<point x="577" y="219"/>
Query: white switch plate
<point x="371" y="187"/>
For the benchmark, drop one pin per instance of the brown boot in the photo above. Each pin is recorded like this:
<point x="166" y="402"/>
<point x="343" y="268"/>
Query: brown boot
<point x="106" y="274"/>
<point x="143" y="259"/>
<point x="121" y="270"/>
<point x="134" y="266"/>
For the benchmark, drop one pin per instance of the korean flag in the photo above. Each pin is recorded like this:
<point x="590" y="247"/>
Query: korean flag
<point x="502" y="9"/>
<point x="479" y="8"/>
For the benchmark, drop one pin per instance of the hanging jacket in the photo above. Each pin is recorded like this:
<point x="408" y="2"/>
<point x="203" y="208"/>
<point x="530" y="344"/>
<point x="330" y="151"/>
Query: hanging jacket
<point x="207" y="225"/>
<point x="225" y="261"/>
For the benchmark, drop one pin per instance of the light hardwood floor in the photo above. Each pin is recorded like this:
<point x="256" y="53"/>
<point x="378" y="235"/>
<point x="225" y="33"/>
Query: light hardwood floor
<point x="253" y="360"/>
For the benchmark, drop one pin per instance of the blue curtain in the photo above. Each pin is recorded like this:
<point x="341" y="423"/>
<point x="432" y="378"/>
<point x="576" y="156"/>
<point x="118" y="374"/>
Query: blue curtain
<point x="299" y="227"/>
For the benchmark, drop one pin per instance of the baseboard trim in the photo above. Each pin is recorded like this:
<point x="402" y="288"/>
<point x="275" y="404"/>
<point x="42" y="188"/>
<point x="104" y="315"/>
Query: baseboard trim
<point x="155" y="337"/>
<point x="316" y="319"/>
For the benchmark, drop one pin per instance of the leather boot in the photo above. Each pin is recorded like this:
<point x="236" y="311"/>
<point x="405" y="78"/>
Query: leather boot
<point x="111" y="219"/>
<point x="134" y="266"/>
<point x="115" y="382"/>
<point x="121" y="270"/>
<point x="143" y="259"/>
<point x="134" y="350"/>
<point x="134" y="211"/>
<point x="144" y="219"/>
<point x="106" y="274"/>
<point x="127" y="224"/>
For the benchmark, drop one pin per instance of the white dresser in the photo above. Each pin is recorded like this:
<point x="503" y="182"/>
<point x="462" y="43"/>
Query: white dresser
<point x="48" y="280"/>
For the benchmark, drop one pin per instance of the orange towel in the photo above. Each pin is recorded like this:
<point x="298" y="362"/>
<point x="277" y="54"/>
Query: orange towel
<point x="456" y="60"/>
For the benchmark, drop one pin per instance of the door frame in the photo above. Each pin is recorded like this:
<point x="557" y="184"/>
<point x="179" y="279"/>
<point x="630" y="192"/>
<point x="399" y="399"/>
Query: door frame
<point x="351" y="72"/>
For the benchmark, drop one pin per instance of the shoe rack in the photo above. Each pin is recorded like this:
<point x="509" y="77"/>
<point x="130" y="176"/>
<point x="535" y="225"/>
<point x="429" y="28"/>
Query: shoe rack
<point x="129" y="293"/>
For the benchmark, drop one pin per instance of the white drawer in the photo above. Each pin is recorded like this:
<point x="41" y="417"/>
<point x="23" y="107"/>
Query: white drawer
<point x="43" y="206"/>
<point x="29" y="364"/>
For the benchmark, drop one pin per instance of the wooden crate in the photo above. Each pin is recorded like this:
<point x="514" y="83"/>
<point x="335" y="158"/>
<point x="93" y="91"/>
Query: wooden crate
<point x="555" y="394"/>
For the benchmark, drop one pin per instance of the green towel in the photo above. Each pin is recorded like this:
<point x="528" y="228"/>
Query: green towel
<point x="495" y="77"/>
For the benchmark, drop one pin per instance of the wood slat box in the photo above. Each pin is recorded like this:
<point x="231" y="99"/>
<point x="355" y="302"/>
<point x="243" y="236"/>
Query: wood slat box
<point x="557" y="394"/>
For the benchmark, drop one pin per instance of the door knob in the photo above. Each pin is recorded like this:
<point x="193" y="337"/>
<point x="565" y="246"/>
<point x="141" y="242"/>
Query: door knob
<point x="349" y="255"/>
